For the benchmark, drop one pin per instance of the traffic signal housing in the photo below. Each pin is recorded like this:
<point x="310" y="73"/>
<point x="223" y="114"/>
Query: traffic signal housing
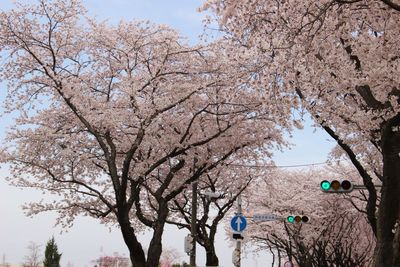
<point x="335" y="186"/>
<point x="298" y="219"/>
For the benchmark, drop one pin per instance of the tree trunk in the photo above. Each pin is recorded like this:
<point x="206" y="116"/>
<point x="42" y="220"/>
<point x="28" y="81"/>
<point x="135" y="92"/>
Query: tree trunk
<point x="209" y="244"/>
<point x="155" y="247"/>
<point x="389" y="207"/>
<point x="211" y="256"/>
<point x="136" y="252"/>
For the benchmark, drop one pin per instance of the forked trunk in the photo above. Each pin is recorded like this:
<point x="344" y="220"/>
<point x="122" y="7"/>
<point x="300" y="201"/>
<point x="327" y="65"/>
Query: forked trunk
<point x="136" y="251"/>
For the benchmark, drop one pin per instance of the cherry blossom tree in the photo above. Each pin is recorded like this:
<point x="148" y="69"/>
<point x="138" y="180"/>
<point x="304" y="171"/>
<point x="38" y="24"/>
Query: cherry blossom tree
<point x="169" y="257"/>
<point x="227" y="184"/>
<point x="331" y="248"/>
<point x="339" y="61"/>
<point x="116" y="121"/>
<point x="112" y="261"/>
<point x="337" y="234"/>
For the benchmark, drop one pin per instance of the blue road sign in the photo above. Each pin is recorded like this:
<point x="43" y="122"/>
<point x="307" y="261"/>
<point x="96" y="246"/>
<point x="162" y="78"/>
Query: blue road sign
<point x="238" y="223"/>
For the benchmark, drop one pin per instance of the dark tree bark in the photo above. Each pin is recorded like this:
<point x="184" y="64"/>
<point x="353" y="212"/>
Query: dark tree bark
<point x="211" y="255"/>
<point x="207" y="241"/>
<point x="389" y="208"/>
<point x="155" y="248"/>
<point x="136" y="252"/>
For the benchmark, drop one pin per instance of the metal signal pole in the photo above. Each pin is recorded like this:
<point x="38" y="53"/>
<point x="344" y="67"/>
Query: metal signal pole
<point x="193" y="223"/>
<point x="238" y="241"/>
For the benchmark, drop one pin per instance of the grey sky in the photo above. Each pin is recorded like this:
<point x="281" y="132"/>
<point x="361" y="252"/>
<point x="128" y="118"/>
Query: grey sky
<point x="87" y="239"/>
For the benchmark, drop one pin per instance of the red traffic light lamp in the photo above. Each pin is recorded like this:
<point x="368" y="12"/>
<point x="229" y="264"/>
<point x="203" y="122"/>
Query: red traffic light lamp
<point x="336" y="187"/>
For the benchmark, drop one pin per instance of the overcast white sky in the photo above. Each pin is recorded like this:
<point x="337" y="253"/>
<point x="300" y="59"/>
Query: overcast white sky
<point x="87" y="239"/>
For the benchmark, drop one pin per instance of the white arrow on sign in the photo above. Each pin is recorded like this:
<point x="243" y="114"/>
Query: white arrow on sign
<point x="238" y="223"/>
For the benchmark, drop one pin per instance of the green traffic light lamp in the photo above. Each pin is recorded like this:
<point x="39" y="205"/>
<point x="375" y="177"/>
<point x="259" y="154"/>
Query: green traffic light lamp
<point x="325" y="185"/>
<point x="290" y="219"/>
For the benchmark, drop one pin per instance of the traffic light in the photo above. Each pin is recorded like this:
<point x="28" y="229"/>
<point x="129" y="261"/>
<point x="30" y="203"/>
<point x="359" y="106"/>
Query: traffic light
<point x="297" y="219"/>
<point x="336" y="187"/>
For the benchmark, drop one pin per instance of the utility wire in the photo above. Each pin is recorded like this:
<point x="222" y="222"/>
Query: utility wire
<point x="278" y="166"/>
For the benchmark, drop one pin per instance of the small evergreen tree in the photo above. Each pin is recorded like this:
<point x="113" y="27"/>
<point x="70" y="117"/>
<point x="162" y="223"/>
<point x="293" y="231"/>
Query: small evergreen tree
<point x="51" y="255"/>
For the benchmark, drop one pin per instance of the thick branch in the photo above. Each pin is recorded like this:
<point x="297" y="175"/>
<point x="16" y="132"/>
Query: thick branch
<point x="391" y="4"/>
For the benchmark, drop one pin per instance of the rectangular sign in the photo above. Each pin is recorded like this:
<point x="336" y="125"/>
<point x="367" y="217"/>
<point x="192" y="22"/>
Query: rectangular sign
<point x="265" y="217"/>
